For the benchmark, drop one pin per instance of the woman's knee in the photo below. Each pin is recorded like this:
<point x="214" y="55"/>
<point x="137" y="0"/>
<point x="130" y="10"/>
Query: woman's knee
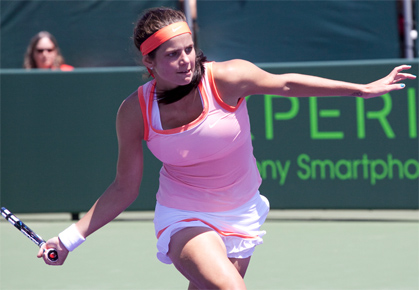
<point x="224" y="282"/>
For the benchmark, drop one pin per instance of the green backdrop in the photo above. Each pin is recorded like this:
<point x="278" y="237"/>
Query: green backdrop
<point x="59" y="147"/>
<point x="97" y="33"/>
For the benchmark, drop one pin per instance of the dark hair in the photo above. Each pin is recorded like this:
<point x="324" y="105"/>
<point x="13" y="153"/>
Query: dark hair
<point x="153" y="20"/>
<point x="29" y="60"/>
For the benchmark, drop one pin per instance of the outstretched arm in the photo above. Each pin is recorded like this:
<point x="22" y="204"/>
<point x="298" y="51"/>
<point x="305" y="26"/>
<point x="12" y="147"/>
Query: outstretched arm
<point x="237" y="79"/>
<point x="124" y="189"/>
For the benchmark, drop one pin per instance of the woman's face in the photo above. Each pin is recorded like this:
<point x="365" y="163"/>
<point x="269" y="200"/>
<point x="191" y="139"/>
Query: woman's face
<point x="174" y="62"/>
<point x="45" y="53"/>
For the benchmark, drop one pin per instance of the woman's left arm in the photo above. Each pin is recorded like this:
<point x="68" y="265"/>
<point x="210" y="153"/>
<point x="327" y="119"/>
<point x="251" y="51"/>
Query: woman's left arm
<point x="239" y="78"/>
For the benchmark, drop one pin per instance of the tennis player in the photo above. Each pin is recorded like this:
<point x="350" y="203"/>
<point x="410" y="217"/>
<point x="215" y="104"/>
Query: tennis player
<point x="194" y="118"/>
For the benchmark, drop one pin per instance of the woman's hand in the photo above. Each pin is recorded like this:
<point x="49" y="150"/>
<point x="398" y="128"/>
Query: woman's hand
<point x="56" y="244"/>
<point x="387" y="84"/>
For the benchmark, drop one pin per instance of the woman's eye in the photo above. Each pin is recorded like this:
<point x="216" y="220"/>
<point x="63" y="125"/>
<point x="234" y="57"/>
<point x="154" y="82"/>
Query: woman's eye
<point x="189" y="49"/>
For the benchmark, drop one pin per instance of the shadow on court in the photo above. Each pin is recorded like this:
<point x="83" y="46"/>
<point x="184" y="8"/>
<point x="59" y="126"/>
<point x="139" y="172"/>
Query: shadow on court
<point x="302" y="250"/>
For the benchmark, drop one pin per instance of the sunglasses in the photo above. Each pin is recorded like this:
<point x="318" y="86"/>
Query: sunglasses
<point x="45" y="49"/>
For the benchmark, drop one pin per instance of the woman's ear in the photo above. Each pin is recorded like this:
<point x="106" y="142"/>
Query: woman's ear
<point x="147" y="61"/>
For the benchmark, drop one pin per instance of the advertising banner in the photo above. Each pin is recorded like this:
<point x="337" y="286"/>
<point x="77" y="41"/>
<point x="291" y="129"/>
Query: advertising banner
<point x="339" y="152"/>
<point x="59" y="146"/>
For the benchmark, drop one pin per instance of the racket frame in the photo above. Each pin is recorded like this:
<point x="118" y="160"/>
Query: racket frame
<point x="52" y="254"/>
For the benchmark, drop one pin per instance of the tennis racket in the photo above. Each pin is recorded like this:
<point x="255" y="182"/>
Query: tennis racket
<point x="52" y="254"/>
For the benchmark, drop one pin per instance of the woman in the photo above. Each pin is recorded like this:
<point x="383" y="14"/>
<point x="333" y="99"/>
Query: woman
<point x="43" y="53"/>
<point x="194" y="119"/>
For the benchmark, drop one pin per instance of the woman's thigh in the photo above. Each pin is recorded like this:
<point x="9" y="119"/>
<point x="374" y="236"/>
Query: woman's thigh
<point x="200" y="255"/>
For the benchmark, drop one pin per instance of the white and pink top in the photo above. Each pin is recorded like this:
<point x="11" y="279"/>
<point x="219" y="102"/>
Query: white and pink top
<point x="208" y="164"/>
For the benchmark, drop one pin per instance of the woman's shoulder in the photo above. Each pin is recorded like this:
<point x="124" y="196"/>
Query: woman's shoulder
<point x="130" y="107"/>
<point x="231" y="65"/>
<point x="233" y="76"/>
<point x="233" y="71"/>
<point x="66" y="67"/>
<point x="131" y="103"/>
<point x="129" y="115"/>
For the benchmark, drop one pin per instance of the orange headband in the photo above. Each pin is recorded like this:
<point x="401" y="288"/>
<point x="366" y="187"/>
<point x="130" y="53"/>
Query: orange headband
<point x="163" y="35"/>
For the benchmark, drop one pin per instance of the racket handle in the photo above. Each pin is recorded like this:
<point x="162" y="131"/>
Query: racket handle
<point x="52" y="255"/>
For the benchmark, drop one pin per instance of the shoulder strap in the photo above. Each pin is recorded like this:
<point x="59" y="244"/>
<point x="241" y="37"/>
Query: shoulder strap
<point x="143" y="111"/>
<point x="215" y="93"/>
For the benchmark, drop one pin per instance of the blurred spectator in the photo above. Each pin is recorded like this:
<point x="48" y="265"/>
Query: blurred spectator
<point x="43" y="53"/>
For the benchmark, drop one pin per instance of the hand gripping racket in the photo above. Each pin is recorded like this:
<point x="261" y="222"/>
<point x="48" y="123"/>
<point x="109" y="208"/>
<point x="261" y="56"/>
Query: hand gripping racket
<point x="52" y="254"/>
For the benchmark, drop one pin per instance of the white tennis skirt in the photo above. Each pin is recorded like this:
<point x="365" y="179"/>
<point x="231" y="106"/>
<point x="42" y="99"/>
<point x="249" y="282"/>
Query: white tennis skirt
<point x="238" y="228"/>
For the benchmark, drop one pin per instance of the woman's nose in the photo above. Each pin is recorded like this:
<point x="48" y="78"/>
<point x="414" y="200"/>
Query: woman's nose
<point x="184" y="59"/>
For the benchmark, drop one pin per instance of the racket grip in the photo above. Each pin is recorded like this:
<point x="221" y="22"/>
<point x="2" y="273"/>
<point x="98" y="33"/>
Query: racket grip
<point x="52" y="255"/>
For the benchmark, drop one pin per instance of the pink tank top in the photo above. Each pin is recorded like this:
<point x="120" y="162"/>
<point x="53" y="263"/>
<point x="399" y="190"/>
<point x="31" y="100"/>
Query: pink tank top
<point x="208" y="164"/>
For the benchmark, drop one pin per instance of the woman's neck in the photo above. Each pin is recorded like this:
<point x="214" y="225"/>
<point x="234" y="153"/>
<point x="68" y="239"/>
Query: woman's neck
<point x="181" y="112"/>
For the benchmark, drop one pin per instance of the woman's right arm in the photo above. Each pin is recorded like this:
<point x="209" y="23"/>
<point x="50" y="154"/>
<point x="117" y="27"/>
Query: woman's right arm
<point x="125" y="188"/>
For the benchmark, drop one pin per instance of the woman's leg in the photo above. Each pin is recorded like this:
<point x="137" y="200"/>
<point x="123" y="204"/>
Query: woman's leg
<point x="200" y="255"/>
<point x="240" y="264"/>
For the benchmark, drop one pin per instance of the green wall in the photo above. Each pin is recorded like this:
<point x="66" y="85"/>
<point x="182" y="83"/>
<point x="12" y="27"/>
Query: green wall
<point x="98" y="33"/>
<point x="290" y="31"/>
<point x="59" y="147"/>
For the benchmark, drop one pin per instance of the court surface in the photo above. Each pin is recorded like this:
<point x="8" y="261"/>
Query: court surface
<point x="302" y="250"/>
